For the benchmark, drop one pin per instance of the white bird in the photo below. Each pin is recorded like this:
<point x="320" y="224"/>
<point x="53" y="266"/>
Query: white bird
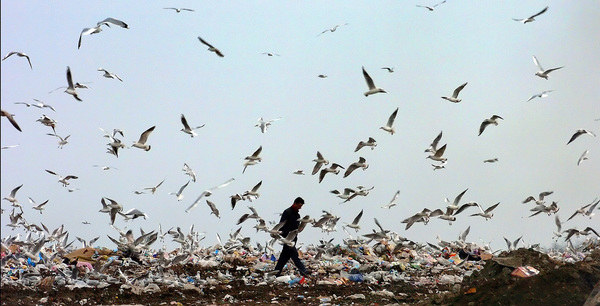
<point x="392" y="203"/>
<point x="348" y="193"/>
<point x="579" y="133"/>
<point x="388" y="126"/>
<point x="320" y="161"/>
<point x="558" y="233"/>
<point x="208" y="193"/>
<point x="113" y="21"/>
<point x="270" y="54"/>
<point x="431" y="8"/>
<point x="454" y="206"/>
<point x="255" y="155"/>
<point x="354" y="223"/>
<point x="332" y="169"/>
<point x="47" y="121"/>
<point x="61" y="141"/>
<point x="89" y="31"/>
<point x="299" y="172"/>
<point x="583" y="157"/>
<point x="21" y="54"/>
<point x="71" y="89"/>
<point x="543" y="94"/>
<point x="332" y="29"/>
<point x="532" y="17"/>
<point x="134" y="213"/>
<point x="179" y="194"/>
<point x="440" y="166"/>
<point x="252" y="192"/>
<point x="263" y="125"/>
<point x="437" y="156"/>
<point x="211" y="48"/>
<point x="37" y="206"/>
<point x="372" y="88"/>
<point x="289" y="239"/>
<point x="213" y="208"/>
<point x="186" y="127"/>
<point x="361" y="163"/>
<point x="543" y="73"/>
<point x="492" y="120"/>
<point x="454" y="98"/>
<point x="586" y="210"/>
<point x="12" y="197"/>
<point x="11" y="119"/>
<point x="8" y="147"/>
<point x="61" y="179"/>
<point x="154" y="188"/>
<point x="109" y="75"/>
<point x="322" y="76"/>
<point x="105" y="167"/>
<point x="389" y="69"/>
<point x="512" y="246"/>
<point x="487" y="214"/>
<point x="369" y="143"/>
<point x="178" y="10"/>
<point x="189" y="171"/>
<point x="141" y="143"/>
<point x="492" y="160"/>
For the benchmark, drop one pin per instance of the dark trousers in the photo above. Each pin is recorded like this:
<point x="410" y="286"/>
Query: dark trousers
<point x="287" y="253"/>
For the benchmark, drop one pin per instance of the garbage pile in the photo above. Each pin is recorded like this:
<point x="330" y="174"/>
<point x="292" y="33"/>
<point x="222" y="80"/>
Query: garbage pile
<point x="378" y="274"/>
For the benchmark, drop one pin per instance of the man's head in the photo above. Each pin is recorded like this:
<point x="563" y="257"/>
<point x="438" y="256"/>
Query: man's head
<point x="298" y="202"/>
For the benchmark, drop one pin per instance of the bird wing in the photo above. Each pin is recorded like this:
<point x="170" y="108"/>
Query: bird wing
<point x="458" y="197"/>
<point x="145" y="135"/>
<point x="255" y="188"/>
<point x="182" y="188"/>
<point x="357" y="218"/>
<point x="257" y="152"/>
<point x="537" y="63"/>
<point x="540" y="12"/>
<point x="114" y="21"/>
<point x="51" y="172"/>
<point x="483" y="125"/>
<point x="317" y="167"/>
<point x="390" y="121"/>
<point x="368" y="79"/>
<point x="69" y="78"/>
<point x="204" y="42"/>
<point x="492" y="208"/>
<point x="440" y="152"/>
<point x="227" y="182"/>
<point x="577" y="134"/>
<point x="185" y="124"/>
<point x="558" y="223"/>
<point x="458" y="89"/>
<point x="552" y="69"/>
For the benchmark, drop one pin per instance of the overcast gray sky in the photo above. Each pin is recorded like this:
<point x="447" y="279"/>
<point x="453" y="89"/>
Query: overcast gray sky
<point x="167" y="72"/>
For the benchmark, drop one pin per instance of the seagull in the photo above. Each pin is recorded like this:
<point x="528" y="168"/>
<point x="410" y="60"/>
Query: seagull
<point x="289" y="240"/>
<point x="332" y="29"/>
<point x="186" y="128"/>
<point x="586" y="210"/>
<point x="179" y="193"/>
<point x="512" y="246"/>
<point x="348" y="193"/>
<point x="89" y="31"/>
<point x="543" y="94"/>
<point x="389" y="69"/>
<point x="208" y="193"/>
<point x="388" y="126"/>
<point x="262" y="124"/>
<point x="558" y="233"/>
<point x="105" y="167"/>
<point x="189" y="171"/>
<point x="440" y="166"/>
<point x="433" y="146"/>
<point x="392" y="203"/>
<point x="372" y="88"/>
<point x="254" y="155"/>
<point x="141" y="143"/>
<point x="12" y="197"/>
<point x="61" y="141"/>
<point x="253" y="192"/>
<point x="369" y="143"/>
<point x="354" y="223"/>
<point x="63" y="180"/>
<point x="109" y="75"/>
<point x="154" y="188"/>
<point x="492" y="120"/>
<point x="71" y="89"/>
<point x="133" y="213"/>
<point x="543" y="73"/>
<point x="11" y="119"/>
<point x="588" y="230"/>
<point x="113" y="21"/>
<point x="178" y="10"/>
<point x="541" y="197"/>
<point x="320" y="161"/>
<point x="47" y="121"/>
<point x="454" y="206"/>
<point x="579" y="133"/>
<point x="76" y="85"/>
<point x="9" y="147"/>
<point x="270" y="54"/>
<point x="583" y="157"/>
<point x="532" y="17"/>
<point x="213" y="208"/>
<point x="437" y="156"/>
<point x="322" y="76"/>
<point x="211" y="48"/>
<point x="21" y="54"/>
<point x="487" y="214"/>
<point x="299" y="172"/>
<point x="431" y="8"/>
<point x="454" y="97"/>
<point x="332" y="169"/>
<point x="492" y="160"/>
<point x="361" y="163"/>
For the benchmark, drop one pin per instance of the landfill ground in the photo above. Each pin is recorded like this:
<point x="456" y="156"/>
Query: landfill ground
<point x="558" y="283"/>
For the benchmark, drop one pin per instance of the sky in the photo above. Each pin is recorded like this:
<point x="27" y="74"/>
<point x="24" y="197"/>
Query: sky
<point x="167" y="72"/>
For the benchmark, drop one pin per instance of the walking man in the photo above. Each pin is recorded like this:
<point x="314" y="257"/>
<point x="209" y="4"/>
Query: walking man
<point x="291" y="217"/>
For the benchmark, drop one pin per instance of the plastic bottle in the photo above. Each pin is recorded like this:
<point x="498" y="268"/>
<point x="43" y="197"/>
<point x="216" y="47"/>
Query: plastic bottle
<point x="295" y="280"/>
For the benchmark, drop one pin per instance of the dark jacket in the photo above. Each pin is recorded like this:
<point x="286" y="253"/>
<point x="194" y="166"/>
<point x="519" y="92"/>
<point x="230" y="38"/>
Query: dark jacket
<point x="291" y="217"/>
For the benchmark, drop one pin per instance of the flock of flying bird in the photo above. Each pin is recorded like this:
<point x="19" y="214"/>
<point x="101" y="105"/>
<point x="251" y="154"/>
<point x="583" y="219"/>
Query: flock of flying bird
<point x="327" y="222"/>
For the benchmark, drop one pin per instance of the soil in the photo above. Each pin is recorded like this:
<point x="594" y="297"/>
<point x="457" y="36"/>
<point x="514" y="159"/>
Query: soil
<point x="557" y="284"/>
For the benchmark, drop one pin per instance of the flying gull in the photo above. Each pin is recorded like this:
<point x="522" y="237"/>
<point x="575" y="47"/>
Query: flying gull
<point x="389" y="69"/>
<point x="432" y="7"/>
<point x="583" y="157"/>
<point x="388" y="126"/>
<point x="543" y="73"/>
<point x="578" y="133"/>
<point x="392" y="203"/>
<point x="332" y="169"/>
<point x="141" y="143"/>
<point x="178" y="10"/>
<point x="263" y="125"/>
<point x="369" y="143"/>
<point x="208" y="193"/>
<point x="454" y="98"/>
<point x="109" y="75"/>
<point x="11" y="119"/>
<point x="372" y="88"/>
<point x="361" y="163"/>
<point x="179" y="194"/>
<point x="211" y="48"/>
<point x="186" y="128"/>
<point x="21" y="54"/>
<point x="154" y="188"/>
<point x="71" y="89"/>
<point x="320" y="161"/>
<point x="543" y="94"/>
<point x="492" y="120"/>
<point x="532" y="17"/>
<point x="332" y="29"/>
<point x="61" y="179"/>
<point x="61" y="141"/>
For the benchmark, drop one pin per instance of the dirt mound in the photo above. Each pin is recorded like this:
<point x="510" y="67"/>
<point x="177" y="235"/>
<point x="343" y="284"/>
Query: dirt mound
<point x="556" y="284"/>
